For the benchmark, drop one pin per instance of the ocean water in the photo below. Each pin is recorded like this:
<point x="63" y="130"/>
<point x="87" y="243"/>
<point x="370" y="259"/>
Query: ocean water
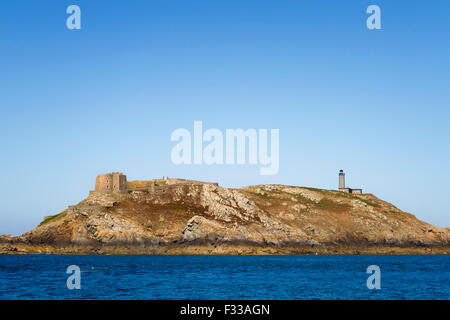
<point x="224" y="277"/>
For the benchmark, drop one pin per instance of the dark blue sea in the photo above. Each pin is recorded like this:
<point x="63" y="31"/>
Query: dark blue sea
<point x="224" y="277"/>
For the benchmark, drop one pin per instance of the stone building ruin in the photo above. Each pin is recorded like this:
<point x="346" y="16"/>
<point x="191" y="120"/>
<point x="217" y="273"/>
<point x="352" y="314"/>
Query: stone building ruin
<point x="111" y="182"/>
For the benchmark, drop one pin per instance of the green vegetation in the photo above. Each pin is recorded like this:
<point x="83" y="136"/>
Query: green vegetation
<point x="314" y="189"/>
<point x="370" y="203"/>
<point x="263" y="195"/>
<point x="345" y="195"/>
<point x="277" y="191"/>
<point x="353" y="196"/>
<point x="177" y="206"/>
<point x="327" y="204"/>
<point x="52" y="218"/>
<point x="303" y="199"/>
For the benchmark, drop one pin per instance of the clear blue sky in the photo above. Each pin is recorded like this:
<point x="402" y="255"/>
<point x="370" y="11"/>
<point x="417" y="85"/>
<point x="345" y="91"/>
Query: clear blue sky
<point x="107" y="97"/>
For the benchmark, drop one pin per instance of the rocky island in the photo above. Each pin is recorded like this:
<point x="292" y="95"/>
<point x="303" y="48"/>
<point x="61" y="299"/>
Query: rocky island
<point x="177" y="216"/>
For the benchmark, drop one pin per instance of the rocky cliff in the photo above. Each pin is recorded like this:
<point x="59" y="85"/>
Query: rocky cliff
<point x="180" y="216"/>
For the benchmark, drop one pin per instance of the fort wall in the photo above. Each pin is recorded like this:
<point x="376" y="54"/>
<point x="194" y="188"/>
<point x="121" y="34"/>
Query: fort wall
<point x="111" y="182"/>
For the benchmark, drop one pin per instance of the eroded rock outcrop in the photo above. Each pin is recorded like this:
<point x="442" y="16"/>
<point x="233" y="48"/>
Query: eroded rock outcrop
<point x="175" y="217"/>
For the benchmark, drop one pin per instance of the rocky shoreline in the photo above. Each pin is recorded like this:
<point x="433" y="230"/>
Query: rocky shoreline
<point x="178" y="216"/>
<point x="221" y="249"/>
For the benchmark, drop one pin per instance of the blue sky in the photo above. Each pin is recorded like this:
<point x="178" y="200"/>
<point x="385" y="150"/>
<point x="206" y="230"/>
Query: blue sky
<point x="75" y="103"/>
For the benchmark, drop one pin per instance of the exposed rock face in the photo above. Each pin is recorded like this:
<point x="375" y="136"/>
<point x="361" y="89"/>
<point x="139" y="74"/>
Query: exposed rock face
<point x="176" y="217"/>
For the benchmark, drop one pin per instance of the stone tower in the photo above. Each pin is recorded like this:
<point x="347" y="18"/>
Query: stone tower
<point x="342" y="186"/>
<point x="111" y="182"/>
<point x="341" y="179"/>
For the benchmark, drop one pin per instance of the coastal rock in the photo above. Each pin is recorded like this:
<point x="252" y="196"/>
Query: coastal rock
<point x="182" y="216"/>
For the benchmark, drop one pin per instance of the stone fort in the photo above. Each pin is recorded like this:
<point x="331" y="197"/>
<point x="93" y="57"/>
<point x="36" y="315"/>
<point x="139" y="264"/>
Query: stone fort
<point x="111" y="182"/>
<point x="116" y="182"/>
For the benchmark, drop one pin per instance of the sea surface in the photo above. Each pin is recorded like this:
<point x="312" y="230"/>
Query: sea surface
<point x="224" y="277"/>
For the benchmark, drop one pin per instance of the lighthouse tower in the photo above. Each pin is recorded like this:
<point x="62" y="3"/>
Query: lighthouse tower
<point x="342" y="186"/>
<point x="341" y="179"/>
